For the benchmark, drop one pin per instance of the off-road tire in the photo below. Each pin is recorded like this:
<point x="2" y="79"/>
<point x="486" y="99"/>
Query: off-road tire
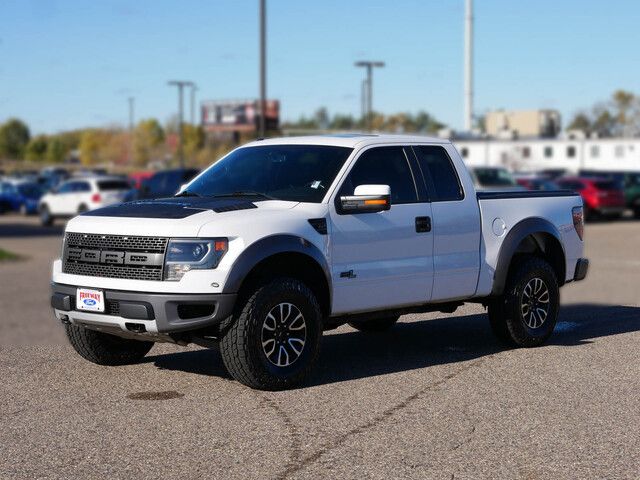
<point x="104" y="349"/>
<point x="46" y="220"/>
<point x="506" y="312"/>
<point x="242" y="347"/>
<point x="376" y="324"/>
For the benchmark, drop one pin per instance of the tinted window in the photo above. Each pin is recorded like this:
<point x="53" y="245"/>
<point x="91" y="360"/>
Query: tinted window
<point x="572" y="185"/>
<point x="436" y="165"/>
<point x="494" y="177"/>
<point x="301" y="173"/>
<point x="106" y="185"/>
<point x="383" y="166"/>
<point x="66" y="187"/>
<point x="607" y="185"/>
<point x="81" y="187"/>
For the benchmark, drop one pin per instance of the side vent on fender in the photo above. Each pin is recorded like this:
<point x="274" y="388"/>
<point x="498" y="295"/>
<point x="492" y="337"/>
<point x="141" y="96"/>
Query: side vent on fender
<point x="319" y="224"/>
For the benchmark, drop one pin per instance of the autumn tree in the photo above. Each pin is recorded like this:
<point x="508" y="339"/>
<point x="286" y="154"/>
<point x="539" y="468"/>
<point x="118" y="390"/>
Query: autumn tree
<point x="148" y="139"/>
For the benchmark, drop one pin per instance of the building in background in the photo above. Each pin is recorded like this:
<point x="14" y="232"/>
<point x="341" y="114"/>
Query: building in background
<point x="231" y="118"/>
<point x="567" y="153"/>
<point x="522" y="123"/>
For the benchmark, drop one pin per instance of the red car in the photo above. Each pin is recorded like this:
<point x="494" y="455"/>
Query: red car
<point x="601" y="196"/>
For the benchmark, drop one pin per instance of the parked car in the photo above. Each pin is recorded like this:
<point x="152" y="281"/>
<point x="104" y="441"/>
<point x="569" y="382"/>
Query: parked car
<point x="19" y="196"/>
<point x="494" y="178"/>
<point x="630" y="183"/>
<point x="79" y="195"/>
<point x="165" y="183"/>
<point x="603" y="197"/>
<point x="285" y="238"/>
<point x="532" y="182"/>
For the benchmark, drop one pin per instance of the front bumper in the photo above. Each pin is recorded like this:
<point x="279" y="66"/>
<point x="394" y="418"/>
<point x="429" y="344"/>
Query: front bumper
<point x="130" y="312"/>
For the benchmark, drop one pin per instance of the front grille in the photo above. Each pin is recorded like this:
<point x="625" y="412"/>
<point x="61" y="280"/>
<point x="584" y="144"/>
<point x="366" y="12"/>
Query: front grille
<point x="114" y="256"/>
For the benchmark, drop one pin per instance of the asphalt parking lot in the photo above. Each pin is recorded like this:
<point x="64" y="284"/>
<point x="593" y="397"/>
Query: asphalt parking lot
<point x="436" y="397"/>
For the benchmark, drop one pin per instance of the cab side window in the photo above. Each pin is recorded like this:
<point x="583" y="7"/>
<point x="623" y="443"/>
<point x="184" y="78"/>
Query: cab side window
<point x="439" y="173"/>
<point x="383" y="166"/>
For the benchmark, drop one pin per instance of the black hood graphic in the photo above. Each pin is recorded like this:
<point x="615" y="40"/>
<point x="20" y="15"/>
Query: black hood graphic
<point x="175" y="207"/>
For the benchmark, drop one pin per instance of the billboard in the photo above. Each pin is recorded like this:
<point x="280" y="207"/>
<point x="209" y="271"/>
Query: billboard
<point x="238" y="115"/>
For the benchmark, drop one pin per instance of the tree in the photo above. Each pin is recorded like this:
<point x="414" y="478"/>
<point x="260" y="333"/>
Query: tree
<point x="193" y="139"/>
<point x="148" y="139"/>
<point x="580" y="121"/>
<point x="36" y="149"/>
<point x="56" y="150"/>
<point x="14" y="137"/>
<point x="90" y="145"/>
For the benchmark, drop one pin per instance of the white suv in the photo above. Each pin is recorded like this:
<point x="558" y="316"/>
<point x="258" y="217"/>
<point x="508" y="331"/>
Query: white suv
<point x="80" y="195"/>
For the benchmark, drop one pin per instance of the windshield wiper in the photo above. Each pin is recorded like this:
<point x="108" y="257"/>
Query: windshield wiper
<point x="247" y="193"/>
<point x="187" y="193"/>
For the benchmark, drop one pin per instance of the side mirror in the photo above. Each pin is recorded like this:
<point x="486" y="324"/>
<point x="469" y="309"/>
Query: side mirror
<point x="367" y="199"/>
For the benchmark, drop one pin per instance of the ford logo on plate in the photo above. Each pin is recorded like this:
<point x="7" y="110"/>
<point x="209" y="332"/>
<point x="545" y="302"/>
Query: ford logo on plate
<point x="89" y="302"/>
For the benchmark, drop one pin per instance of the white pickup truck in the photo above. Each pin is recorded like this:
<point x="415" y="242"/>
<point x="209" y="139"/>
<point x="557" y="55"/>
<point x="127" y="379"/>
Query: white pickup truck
<point x="285" y="238"/>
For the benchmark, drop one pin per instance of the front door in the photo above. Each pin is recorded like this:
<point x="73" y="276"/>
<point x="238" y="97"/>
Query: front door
<point x="382" y="259"/>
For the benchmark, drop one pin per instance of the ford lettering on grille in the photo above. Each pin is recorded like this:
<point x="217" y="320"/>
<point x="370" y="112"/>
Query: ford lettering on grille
<point x="117" y="256"/>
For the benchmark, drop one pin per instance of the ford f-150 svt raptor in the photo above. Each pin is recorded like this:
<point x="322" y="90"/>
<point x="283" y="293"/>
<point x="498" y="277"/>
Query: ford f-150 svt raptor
<point x="284" y="238"/>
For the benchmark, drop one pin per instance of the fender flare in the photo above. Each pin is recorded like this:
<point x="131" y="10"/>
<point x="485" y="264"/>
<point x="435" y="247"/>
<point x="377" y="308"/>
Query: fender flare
<point x="267" y="247"/>
<point x="519" y="232"/>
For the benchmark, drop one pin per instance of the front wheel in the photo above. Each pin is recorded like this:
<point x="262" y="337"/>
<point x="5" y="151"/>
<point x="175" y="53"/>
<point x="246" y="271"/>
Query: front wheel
<point x="274" y="340"/>
<point x="526" y="313"/>
<point x="104" y="349"/>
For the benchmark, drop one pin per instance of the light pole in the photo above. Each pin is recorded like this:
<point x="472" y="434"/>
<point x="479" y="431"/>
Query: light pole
<point x="263" y="69"/>
<point x="369" y="65"/>
<point x="194" y="89"/>
<point x="180" y="84"/>
<point x="468" y="66"/>
<point x="131" y="101"/>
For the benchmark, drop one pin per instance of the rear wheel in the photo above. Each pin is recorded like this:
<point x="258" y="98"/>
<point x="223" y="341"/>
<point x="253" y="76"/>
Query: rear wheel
<point x="45" y="216"/>
<point x="104" y="349"/>
<point x="274" y="340"/>
<point x="82" y="208"/>
<point x="376" y="324"/>
<point x="525" y="315"/>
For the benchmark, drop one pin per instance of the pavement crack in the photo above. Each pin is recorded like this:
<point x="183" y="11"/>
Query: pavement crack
<point x="292" y="429"/>
<point x="301" y="463"/>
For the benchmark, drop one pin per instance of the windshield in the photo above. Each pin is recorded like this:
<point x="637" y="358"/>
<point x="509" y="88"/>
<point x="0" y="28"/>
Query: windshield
<point x="300" y="173"/>
<point x="494" y="177"/>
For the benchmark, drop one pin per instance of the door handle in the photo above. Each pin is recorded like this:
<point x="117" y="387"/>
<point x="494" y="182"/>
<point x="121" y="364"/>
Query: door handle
<point x="423" y="224"/>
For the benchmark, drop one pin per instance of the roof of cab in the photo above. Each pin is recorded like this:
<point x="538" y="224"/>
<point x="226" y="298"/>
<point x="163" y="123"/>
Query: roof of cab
<point x="351" y="140"/>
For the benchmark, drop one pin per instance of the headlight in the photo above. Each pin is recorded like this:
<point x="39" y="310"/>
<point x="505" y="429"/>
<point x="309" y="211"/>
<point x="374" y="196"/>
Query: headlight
<point x="193" y="254"/>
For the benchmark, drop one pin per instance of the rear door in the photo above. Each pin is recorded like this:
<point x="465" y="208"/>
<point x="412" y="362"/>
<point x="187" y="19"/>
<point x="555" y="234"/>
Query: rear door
<point x="382" y="259"/>
<point x="456" y="224"/>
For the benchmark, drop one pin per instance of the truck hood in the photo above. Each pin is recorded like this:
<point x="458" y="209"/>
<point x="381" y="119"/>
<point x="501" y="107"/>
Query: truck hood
<point x="171" y="217"/>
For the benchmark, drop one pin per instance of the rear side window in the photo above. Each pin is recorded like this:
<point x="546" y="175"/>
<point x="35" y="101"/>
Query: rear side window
<point x="440" y="174"/>
<point x="383" y="166"/>
<point x="81" y="187"/>
<point x="106" y="185"/>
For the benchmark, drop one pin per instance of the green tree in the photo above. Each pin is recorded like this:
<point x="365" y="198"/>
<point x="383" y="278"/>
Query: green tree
<point x="37" y="148"/>
<point x="14" y="137"/>
<point x="580" y="121"/>
<point x="56" y="150"/>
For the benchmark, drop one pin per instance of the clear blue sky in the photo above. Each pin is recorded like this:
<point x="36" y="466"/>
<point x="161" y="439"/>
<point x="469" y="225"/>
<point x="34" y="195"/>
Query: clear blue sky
<point x="69" y="64"/>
